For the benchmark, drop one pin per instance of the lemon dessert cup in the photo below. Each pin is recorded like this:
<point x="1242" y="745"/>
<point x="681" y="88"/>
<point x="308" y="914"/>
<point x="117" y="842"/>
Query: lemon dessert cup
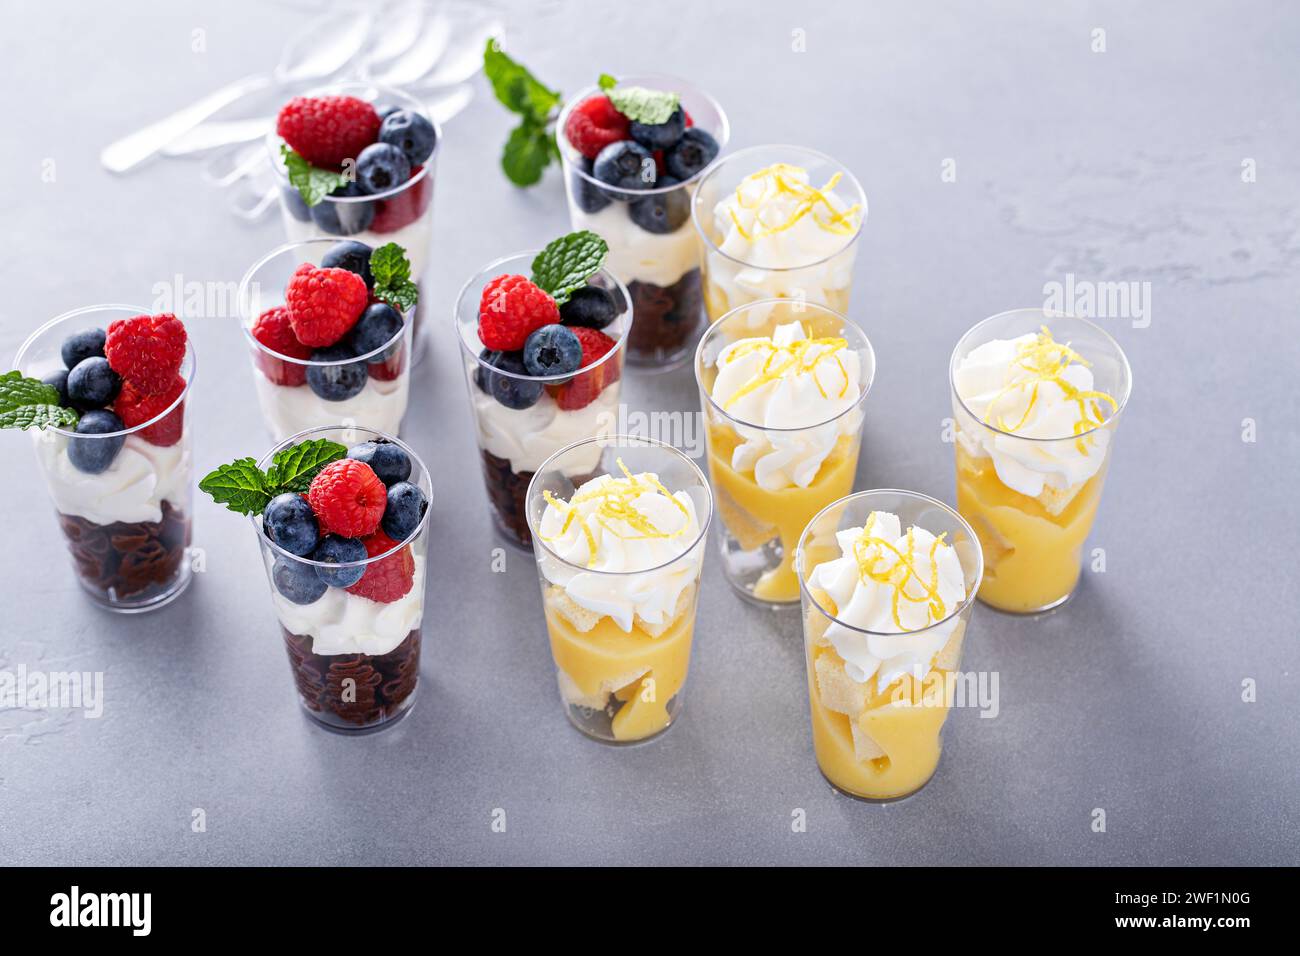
<point x="782" y="384"/>
<point x="619" y="560"/>
<point x="888" y="581"/>
<point x="1036" y="397"/>
<point x="778" y="222"/>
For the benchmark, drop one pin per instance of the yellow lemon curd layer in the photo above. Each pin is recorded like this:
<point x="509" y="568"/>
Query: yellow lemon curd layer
<point x="755" y="516"/>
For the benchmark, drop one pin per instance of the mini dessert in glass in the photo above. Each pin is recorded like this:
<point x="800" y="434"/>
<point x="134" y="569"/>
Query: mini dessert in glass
<point x="782" y="384"/>
<point x="888" y="580"/>
<point x="105" y="388"/>
<point x="341" y="516"/>
<point x="633" y="152"/>
<point x="329" y="334"/>
<point x="778" y="222"/>
<point x="543" y="361"/>
<point x="619" y="556"/>
<point x="1036" y="397"/>
<point x="357" y="161"/>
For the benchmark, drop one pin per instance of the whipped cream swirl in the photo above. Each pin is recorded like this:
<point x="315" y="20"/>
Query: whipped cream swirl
<point x="526" y="437"/>
<point x="629" y="524"/>
<point x="1033" y="388"/>
<point x="133" y="488"/>
<point x="787" y="381"/>
<point x="893" y="583"/>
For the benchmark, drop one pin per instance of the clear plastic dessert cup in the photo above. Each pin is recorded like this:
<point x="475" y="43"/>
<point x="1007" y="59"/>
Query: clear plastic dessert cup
<point x="355" y="660"/>
<point x="653" y="249"/>
<point x="520" y="420"/>
<point x="128" y="526"/>
<point x="621" y="639"/>
<point x="1032" y="499"/>
<point x="799" y="247"/>
<point x="769" y="482"/>
<point x="874" y="742"/>
<point x="403" y="215"/>
<point x="297" y="394"/>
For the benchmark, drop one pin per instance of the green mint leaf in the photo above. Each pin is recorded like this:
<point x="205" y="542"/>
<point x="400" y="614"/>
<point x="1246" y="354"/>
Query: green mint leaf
<point x="312" y="184"/>
<point x="30" y="403"/>
<point x="527" y="153"/>
<point x="392" y="273"/>
<point x="568" y="262"/>
<point x="240" y="486"/>
<point x="517" y="89"/>
<point x="292" y="469"/>
<point x="638" y="104"/>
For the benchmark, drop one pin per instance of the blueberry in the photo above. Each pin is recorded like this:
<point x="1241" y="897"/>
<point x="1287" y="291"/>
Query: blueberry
<point x="661" y="213"/>
<point x="378" y="326"/>
<point x="625" y="164"/>
<point x="411" y="133"/>
<point x="93" y="384"/>
<point x="589" y="197"/>
<point x="350" y="255"/>
<point x="552" y="350"/>
<point x="662" y="135"/>
<point x="93" y="455"/>
<point x="385" y="459"/>
<point x="695" y="150"/>
<point x="59" y="380"/>
<point x="511" y="392"/>
<point x="344" y="218"/>
<point x="381" y="167"/>
<point x="590" y="306"/>
<point x="386" y="112"/>
<point x="289" y="522"/>
<point x="334" y="549"/>
<point x="406" y="507"/>
<point x="82" y="345"/>
<point x="297" y="581"/>
<point x="336" y="383"/>
<point x="296" y="205"/>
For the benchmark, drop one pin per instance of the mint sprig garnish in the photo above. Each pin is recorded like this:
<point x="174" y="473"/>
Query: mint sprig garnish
<point x="245" y="489"/>
<point x="567" y="263"/>
<point x="392" y="274"/>
<point x="313" y="184"/>
<point x="531" y="146"/>
<point x="638" y="104"/>
<point x="30" y="403"/>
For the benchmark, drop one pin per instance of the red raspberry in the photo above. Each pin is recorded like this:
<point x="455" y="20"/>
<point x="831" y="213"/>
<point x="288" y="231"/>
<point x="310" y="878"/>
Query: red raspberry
<point x="146" y="350"/>
<point x="324" y="304"/>
<point x="273" y="330"/>
<point x="390" y="578"/>
<point x="582" y="390"/>
<point x="389" y="368"/>
<point x="593" y="124"/>
<point x="325" y="130"/>
<point x="511" y="308"/>
<point x="407" y="206"/>
<point x="348" y="497"/>
<point x="136" y="409"/>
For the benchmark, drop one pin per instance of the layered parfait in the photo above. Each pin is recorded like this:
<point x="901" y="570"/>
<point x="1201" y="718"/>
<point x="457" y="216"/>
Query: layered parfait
<point x="340" y="515"/>
<point x="542" y="336"/>
<point x="633" y="151"/>
<point x="619" y="558"/>
<point x="105" y="390"/>
<point x="329" y="334"/>
<point x="778" y="222"/>
<point x="1034" y="429"/>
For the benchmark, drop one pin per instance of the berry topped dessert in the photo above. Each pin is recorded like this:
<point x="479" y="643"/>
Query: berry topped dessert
<point x="335" y="347"/>
<point x="342" y="535"/>
<point x="108" y="404"/>
<point x="543" y="356"/>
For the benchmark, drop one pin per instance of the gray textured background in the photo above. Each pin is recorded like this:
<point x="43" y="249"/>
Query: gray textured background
<point x="1122" y="165"/>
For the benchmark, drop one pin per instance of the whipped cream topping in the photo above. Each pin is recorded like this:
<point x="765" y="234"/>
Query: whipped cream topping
<point x="1034" y="388"/>
<point x="291" y="409"/>
<point x="894" y="583"/>
<point x="788" y="381"/>
<point x="415" y="237"/>
<point x="636" y="255"/>
<point x="627" y="524"/>
<point x="343" y="623"/>
<point x="132" y="488"/>
<point x="526" y="437"/>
